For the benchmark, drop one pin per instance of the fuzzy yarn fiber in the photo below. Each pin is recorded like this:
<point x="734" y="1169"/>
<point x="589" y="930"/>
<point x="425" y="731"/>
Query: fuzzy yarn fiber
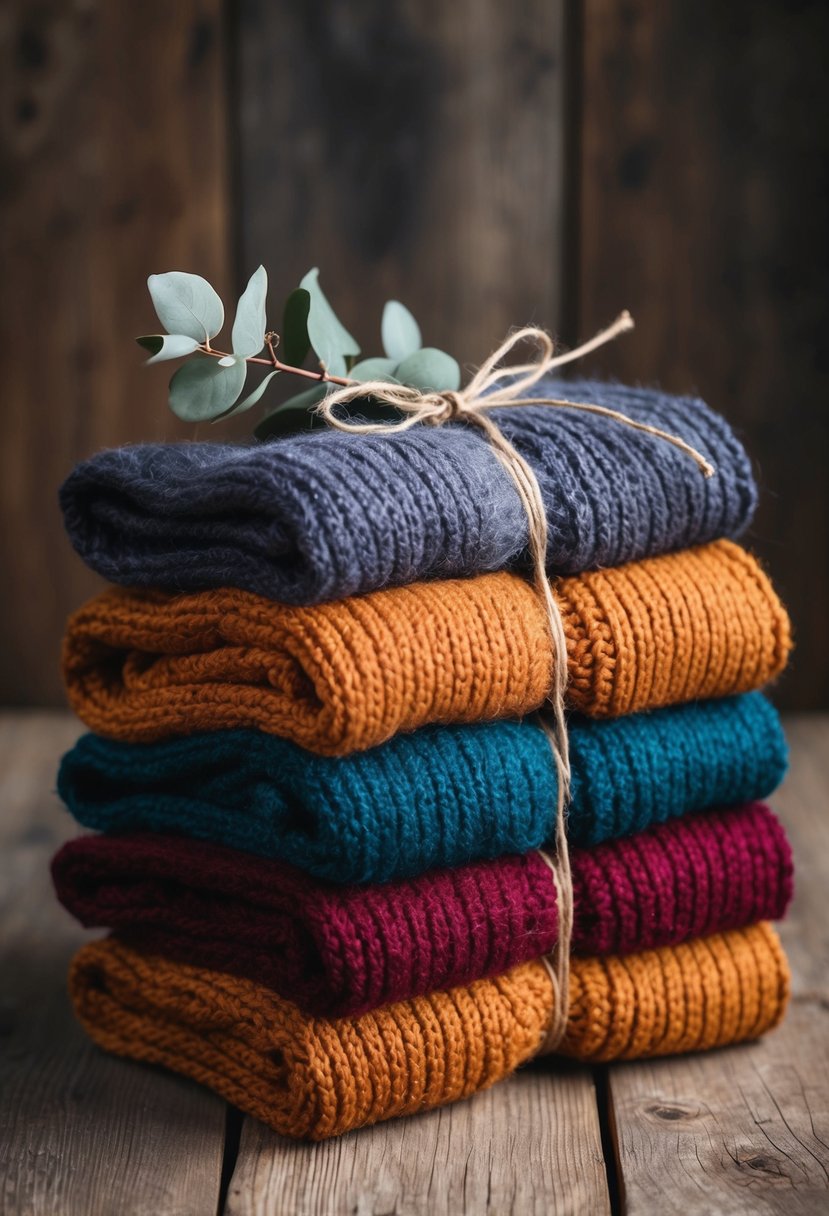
<point x="338" y="950"/>
<point x="311" y="1078"/>
<point x="441" y="796"/>
<point x="346" y="676"/>
<point x="325" y="515"/>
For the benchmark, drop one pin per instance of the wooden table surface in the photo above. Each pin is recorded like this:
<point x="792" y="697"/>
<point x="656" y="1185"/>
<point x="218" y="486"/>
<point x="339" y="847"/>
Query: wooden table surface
<point x="741" y="1130"/>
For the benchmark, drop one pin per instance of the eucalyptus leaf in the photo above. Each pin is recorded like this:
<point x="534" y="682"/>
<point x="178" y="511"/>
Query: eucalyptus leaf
<point x="248" y="336"/>
<point x="400" y="331"/>
<point x="328" y="336"/>
<point x="167" y="346"/>
<point x="294" y="341"/>
<point x="295" y="414"/>
<point x="186" y="304"/>
<point x="202" y="390"/>
<point x="253" y="397"/>
<point x="375" y="369"/>
<point x="430" y="370"/>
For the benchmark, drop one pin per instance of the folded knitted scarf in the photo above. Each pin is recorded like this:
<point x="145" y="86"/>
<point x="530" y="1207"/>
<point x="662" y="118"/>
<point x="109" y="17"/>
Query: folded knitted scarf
<point x="441" y="796"/>
<point x="311" y="1078"/>
<point x="326" y="515"/>
<point x="345" y="950"/>
<point x="346" y="676"/>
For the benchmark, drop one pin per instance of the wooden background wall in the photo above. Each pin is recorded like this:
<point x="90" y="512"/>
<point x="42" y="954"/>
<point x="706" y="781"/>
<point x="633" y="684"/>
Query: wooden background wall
<point x="490" y="164"/>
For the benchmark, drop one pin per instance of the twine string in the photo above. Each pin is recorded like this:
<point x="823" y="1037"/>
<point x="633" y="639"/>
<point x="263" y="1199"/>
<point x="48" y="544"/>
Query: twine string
<point x="472" y="404"/>
<point x="558" y="961"/>
<point x="486" y="392"/>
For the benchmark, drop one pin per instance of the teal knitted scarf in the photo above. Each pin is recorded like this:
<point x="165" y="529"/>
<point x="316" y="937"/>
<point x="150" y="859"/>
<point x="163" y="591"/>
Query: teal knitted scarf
<point x="442" y="796"/>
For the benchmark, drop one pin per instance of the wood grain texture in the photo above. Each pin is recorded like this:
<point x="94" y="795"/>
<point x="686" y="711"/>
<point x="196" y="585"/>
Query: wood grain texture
<point x="802" y="804"/>
<point x="81" y="1134"/>
<point x="417" y="154"/>
<point x="741" y="1130"/>
<point x="113" y="164"/>
<point x="703" y="174"/>
<point x="747" y="1129"/>
<point x="530" y="1145"/>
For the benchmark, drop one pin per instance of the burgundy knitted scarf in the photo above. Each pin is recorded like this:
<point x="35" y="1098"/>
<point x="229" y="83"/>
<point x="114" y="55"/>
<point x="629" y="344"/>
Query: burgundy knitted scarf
<point x="338" y="950"/>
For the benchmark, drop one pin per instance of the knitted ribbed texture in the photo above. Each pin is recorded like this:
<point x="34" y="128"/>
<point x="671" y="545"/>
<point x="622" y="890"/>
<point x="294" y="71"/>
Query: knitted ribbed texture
<point x="345" y="950"/>
<point x="706" y="993"/>
<point x="322" y="516"/>
<point x="346" y="676"/>
<point x="441" y="796"/>
<point x="312" y="1078"/>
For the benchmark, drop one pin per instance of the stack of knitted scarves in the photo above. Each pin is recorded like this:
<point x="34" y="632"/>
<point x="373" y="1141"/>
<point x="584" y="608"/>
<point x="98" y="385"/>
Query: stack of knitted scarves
<point x="322" y="668"/>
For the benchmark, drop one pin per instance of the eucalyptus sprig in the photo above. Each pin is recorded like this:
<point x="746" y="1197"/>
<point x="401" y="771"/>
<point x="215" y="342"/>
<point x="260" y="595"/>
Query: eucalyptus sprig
<point x="209" y="385"/>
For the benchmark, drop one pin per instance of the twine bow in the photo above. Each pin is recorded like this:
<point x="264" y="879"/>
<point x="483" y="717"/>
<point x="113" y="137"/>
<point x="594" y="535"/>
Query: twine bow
<point x="487" y="391"/>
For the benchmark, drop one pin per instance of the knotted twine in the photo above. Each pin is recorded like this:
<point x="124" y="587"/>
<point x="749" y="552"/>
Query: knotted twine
<point x="472" y="404"/>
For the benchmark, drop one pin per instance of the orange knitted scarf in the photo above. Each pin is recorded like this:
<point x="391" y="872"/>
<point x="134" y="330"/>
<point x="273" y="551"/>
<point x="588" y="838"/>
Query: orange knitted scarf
<point x="312" y="1078"/>
<point x="345" y="676"/>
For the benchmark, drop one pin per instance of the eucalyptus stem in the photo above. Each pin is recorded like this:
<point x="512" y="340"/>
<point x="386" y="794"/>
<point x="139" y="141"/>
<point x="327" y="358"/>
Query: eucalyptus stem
<point x="319" y="377"/>
<point x="192" y="314"/>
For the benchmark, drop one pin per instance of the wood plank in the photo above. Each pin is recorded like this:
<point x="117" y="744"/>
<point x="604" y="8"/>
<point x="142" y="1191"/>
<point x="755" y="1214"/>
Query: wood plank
<point x="703" y="127"/>
<point x="530" y="1145"/>
<point x="747" y="1129"/>
<point x="81" y="1133"/>
<point x="740" y="1130"/>
<point x="114" y="164"/>
<point x="802" y="804"/>
<point x="418" y="154"/>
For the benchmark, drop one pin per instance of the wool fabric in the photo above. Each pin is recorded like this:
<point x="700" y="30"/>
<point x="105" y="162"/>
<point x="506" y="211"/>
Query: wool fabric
<point x="346" y="950"/>
<point x="441" y="796"/>
<point x="311" y="1078"/>
<point x="327" y="515"/>
<point x="346" y="676"/>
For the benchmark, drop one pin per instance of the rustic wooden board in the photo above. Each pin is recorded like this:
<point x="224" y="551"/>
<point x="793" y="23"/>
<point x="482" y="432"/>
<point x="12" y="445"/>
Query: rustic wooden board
<point x="417" y="154"/>
<point x="530" y="1145"/>
<point x="803" y="806"/>
<point x="114" y="165"/>
<point x="740" y="1130"/>
<point x="704" y="129"/>
<point x="747" y="1129"/>
<point x="81" y="1133"/>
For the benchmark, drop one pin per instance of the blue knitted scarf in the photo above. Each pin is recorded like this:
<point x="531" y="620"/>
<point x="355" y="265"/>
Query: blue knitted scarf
<point x="442" y="796"/>
<point x="324" y="515"/>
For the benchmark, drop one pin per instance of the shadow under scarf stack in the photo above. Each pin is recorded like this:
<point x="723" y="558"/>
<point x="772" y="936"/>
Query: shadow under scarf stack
<point x="320" y="791"/>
